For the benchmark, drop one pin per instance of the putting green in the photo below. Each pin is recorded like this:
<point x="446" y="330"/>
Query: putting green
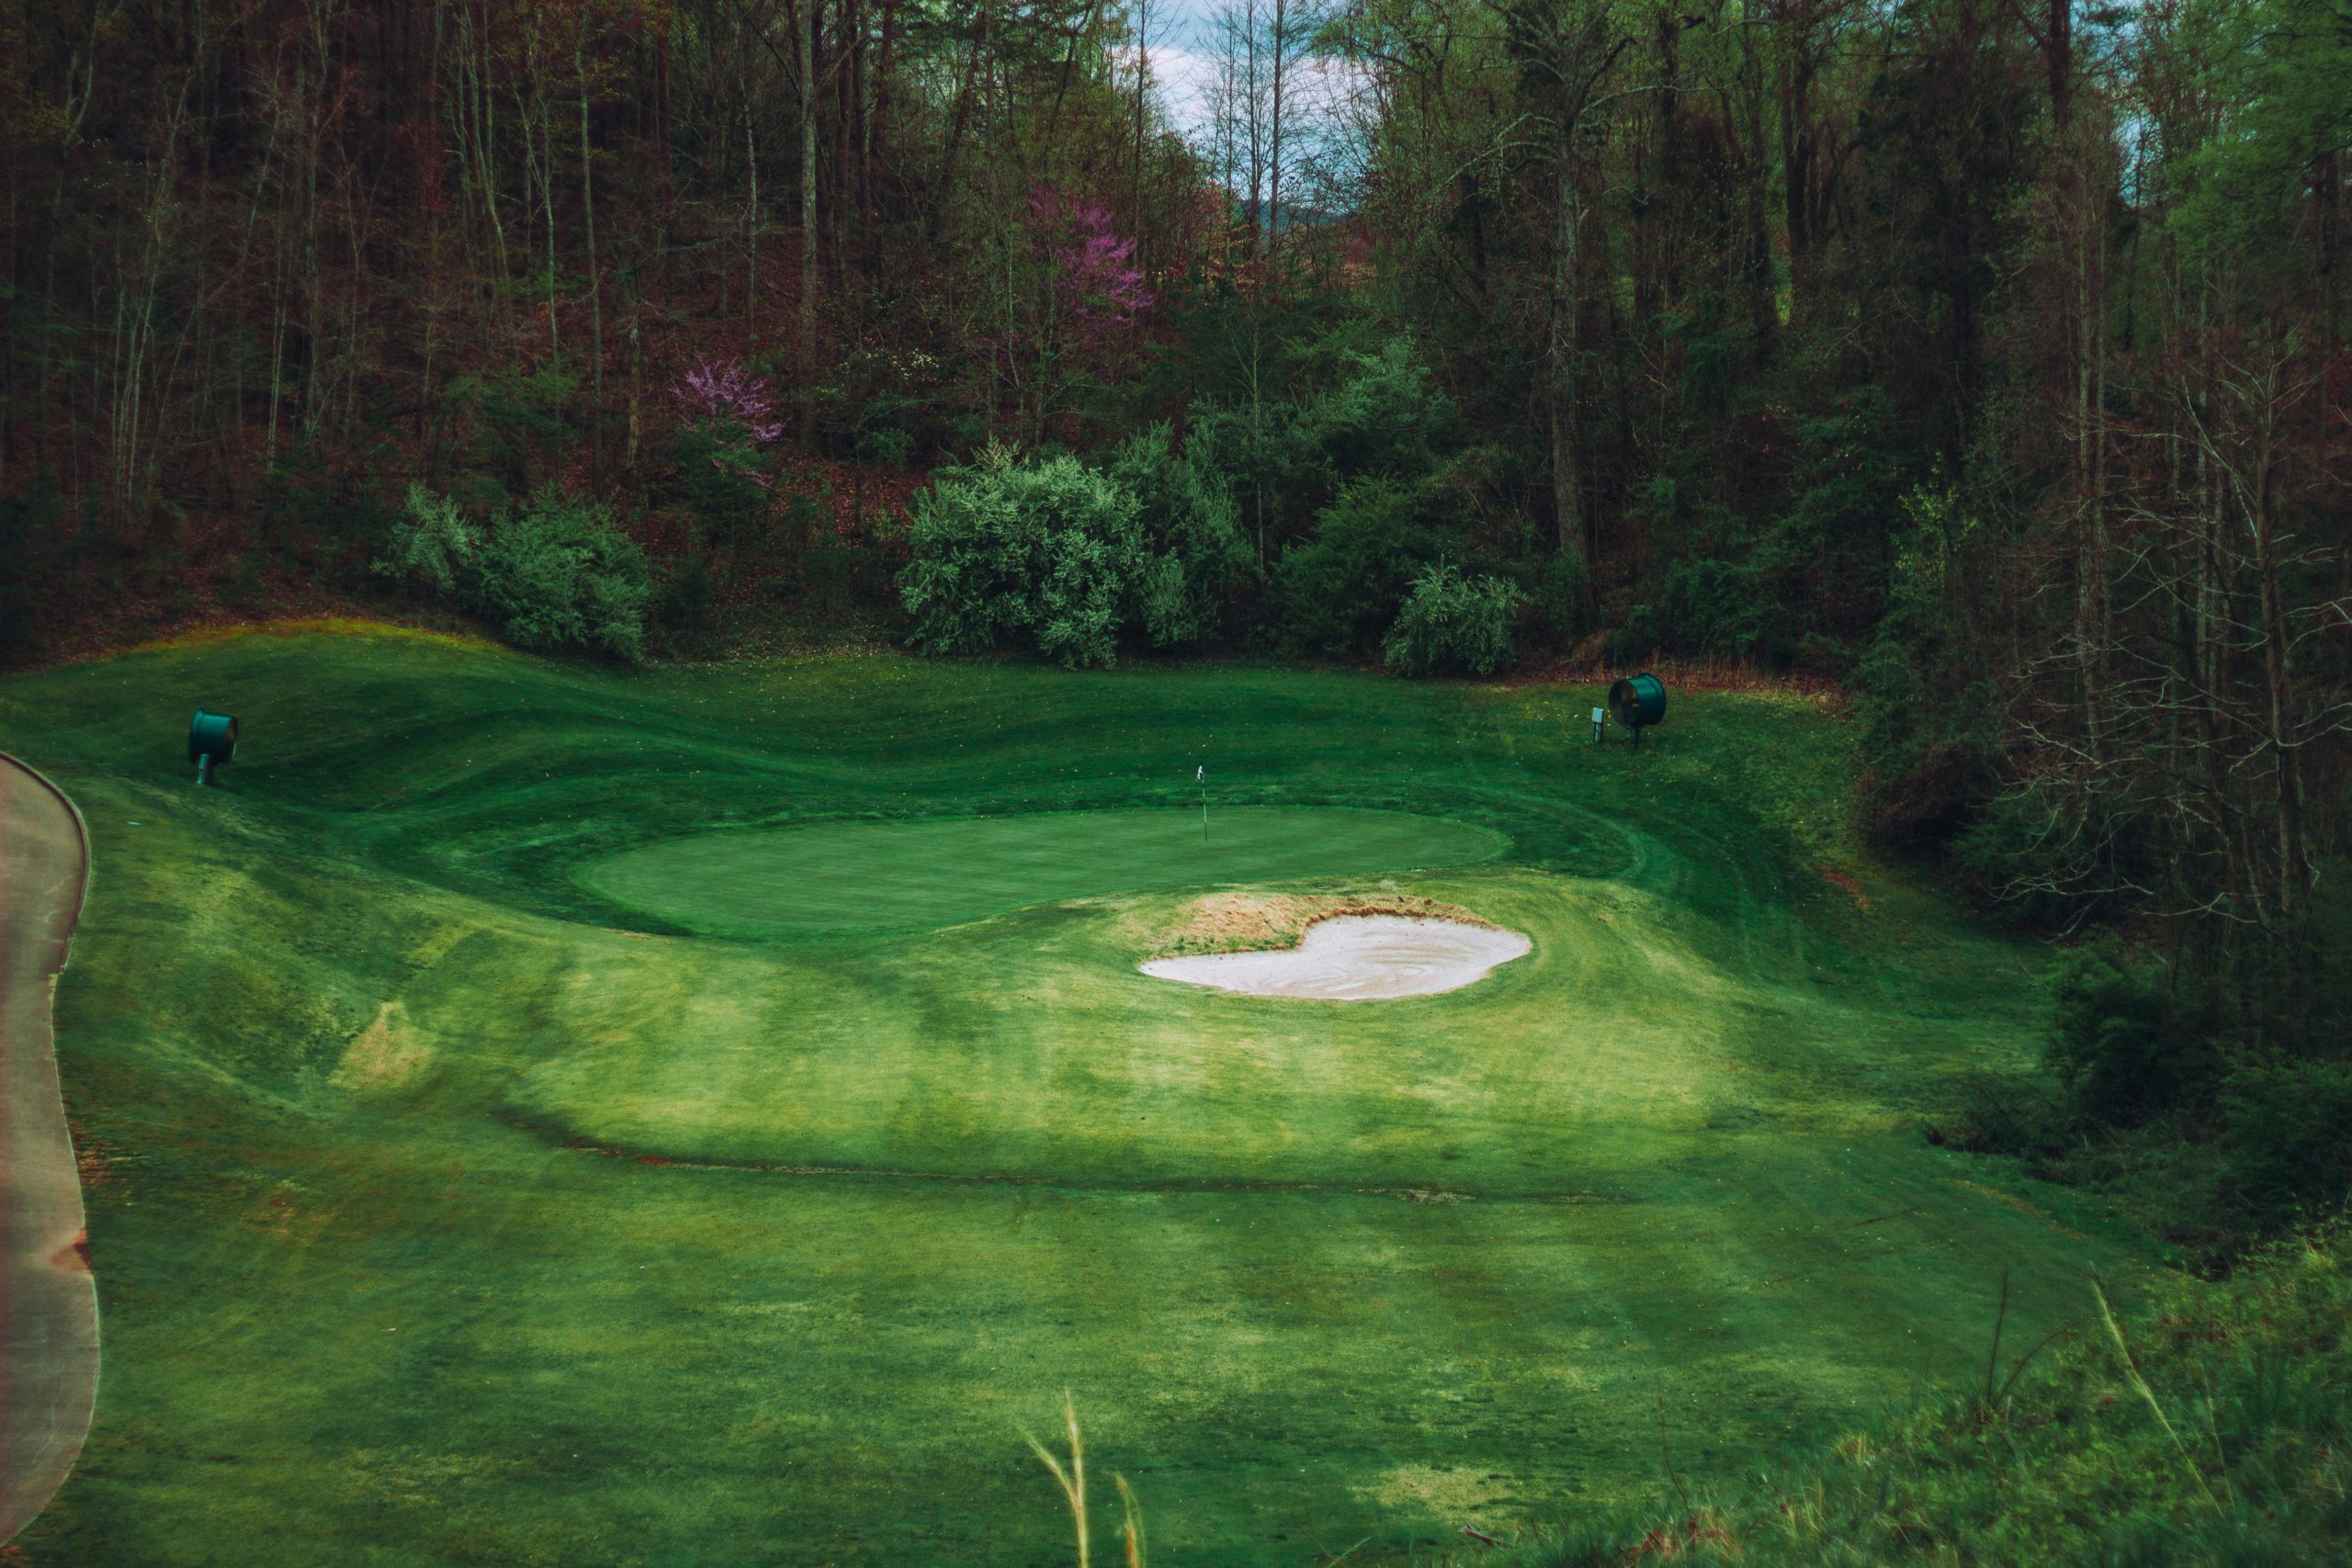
<point x="938" y="872"/>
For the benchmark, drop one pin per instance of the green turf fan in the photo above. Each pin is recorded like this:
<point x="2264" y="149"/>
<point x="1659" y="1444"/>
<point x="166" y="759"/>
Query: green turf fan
<point x="1638" y="703"/>
<point x="211" y="742"/>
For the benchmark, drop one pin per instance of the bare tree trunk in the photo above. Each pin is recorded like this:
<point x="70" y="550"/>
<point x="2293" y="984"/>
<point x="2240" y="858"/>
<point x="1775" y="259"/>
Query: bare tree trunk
<point x="1561" y="357"/>
<point x="1274" y="138"/>
<point x="596" y="288"/>
<point x="807" y="346"/>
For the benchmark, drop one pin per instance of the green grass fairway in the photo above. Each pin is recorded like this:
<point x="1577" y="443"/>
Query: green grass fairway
<point x="446" y="1210"/>
<point x="936" y="872"/>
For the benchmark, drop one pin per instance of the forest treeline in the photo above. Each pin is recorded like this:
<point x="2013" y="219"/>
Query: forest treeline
<point x="1988" y="357"/>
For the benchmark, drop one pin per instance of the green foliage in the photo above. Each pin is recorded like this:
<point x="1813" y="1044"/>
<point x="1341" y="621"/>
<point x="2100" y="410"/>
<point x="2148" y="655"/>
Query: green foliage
<point x="510" y="423"/>
<point x="1712" y="608"/>
<point x="2287" y="1147"/>
<point x="1194" y="529"/>
<point x="1453" y="625"/>
<point x="27" y="521"/>
<point x="886" y="444"/>
<point x="1048" y="553"/>
<point x="1073" y="559"/>
<point x="1929" y="713"/>
<point x="1384" y="416"/>
<point x="1381" y="415"/>
<point x="2278" y="64"/>
<point x="1559" y="597"/>
<point x="2117" y="1041"/>
<point x="432" y="546"/>
<point x="558" y="574"/>
<point x="1340" y="590"/>
<point x="682" y="610"/>
<point x="310" y="516"/>
<point x="2044" y="853"/>
<point x="717" y="481"/>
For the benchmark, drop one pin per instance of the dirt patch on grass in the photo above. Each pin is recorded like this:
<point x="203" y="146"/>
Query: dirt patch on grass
<point x="1846" y="883"/>
<point x="1252" y="922"/>
<point x="385" y="1054"/>
<point x="1449" y="1492"/>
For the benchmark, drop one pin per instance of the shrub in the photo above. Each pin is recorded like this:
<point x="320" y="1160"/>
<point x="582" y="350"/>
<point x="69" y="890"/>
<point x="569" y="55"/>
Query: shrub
<point x="1559" y="598"/>
<point x="1189" y="522"/>
<point x="26" y="521"/>
<point x="1637" y="639"/>
<point x="1340" y="591"/>
<point x="1717" y="608"/>
<point x="1453" y="625"/>
<point x="1050" y="553"/>
<point x="2288" y="1145"/>
<point x="2122" y="1048"/>
<point x="1383" y="417"/>
<point x="726" y="421"/>
<point x="560" y="574"/>
<point x="2049" y="857"/>
<point x="431" y="546"/>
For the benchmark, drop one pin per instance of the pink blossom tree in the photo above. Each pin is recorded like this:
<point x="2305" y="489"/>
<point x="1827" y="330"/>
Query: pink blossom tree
<point x="1093" y="265"/>
<point x="1084" y="293"/>
<point x="729" y="412"/>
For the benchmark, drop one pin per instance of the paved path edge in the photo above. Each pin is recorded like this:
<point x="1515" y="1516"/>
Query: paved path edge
<point x="49" y="1304"/>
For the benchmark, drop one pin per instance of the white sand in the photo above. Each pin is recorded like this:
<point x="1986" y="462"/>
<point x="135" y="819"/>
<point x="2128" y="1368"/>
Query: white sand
<point x="1357" y="958"/>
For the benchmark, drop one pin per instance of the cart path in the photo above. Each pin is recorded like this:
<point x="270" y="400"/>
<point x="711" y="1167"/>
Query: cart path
<point x="48" y="1302"/>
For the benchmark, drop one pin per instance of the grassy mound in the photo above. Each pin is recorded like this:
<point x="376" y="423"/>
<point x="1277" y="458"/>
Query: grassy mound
<point x="438" y="1219"/>
<point x="2213" y="1429"/>
<point x="940" y="870"/>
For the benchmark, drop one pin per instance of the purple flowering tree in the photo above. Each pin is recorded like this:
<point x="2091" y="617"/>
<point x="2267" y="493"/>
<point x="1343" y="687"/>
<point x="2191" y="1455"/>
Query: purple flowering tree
<point x="1088" y="295"/>
<point x="1093" y="269"/>
<point x="729" y="416"/>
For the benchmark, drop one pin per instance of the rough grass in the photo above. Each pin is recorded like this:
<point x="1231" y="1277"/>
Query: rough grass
<point x="452" y="1214"/>
<point x="2212" y="1428"/>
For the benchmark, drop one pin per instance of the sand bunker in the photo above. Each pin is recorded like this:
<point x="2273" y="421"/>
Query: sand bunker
<point x="1357" y="958"/>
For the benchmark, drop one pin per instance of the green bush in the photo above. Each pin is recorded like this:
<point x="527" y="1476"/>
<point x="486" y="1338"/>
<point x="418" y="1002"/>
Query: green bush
<point x="2288" y="1144"/>
<point x="717" y="484"/>
<point x="28" y="521"/>
<point x="2046" y="856"/>
<point x="1193" y="529"/>
<point x="1637" y="639"/>
<point x="1383" y="416"/>
<point x="560" y="574"/>
<point x="1559" y="598"/>
<point x="1339" y="592"/>
<point x="431" y="546"/>
<point x="1453" y="625"/>
<point x="2120" y="1040"/>
<point x="1048" y="553"/>
<point x="1717" y="609"/>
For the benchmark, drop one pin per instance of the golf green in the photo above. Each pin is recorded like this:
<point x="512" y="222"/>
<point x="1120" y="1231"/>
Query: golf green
<point x="939" y="870"/>
<point x="443" y="1210"/>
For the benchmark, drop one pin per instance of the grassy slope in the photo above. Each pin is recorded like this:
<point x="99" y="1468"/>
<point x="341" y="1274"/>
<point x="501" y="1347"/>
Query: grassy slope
<point x="351" y="1040"/>
<point x="2212" y="1430"/>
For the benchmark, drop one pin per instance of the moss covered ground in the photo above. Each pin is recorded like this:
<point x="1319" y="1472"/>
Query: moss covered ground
<point x="446" y="1209"/>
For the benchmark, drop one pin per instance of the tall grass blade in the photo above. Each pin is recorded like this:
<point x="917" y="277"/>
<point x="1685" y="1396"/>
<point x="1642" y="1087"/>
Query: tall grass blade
<point x="2139" y="1386"/>
<point x="1072" y="1480"/>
